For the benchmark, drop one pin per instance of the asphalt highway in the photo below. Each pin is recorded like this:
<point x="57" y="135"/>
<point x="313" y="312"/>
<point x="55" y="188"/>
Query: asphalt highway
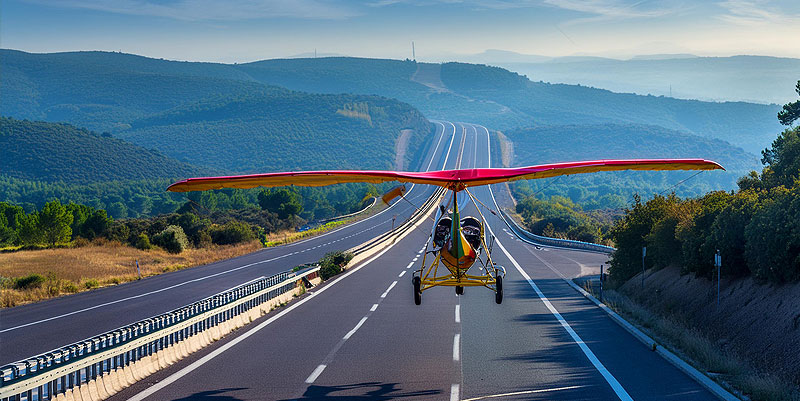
<point x="30" y="330"/>
<point x="360" y="336"/>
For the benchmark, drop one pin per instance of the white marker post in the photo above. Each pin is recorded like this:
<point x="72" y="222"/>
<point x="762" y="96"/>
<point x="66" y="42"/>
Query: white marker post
<point x="718" y="265"/>
<point x="644" y="252"/>
<point x="138" y="271"/>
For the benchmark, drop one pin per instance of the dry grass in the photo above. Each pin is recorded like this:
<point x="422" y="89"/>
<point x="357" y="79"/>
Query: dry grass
<point x="702" y="352"/>
<point x="70" y="270"/>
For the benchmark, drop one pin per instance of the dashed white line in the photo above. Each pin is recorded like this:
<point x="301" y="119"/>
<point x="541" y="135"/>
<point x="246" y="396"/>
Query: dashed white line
<point x="385" y="293"/>
<point x="374" y="306"/>
<point x="454" y="392"/>
<point x="456" y="346"/>
<point x="315" y="374"/>
<point x="409" y="265"/>
<point x="401" y="273"/>
<point x="358" y="326"/>
<point x="458" y="313"/>
<point x="415" y="259"/>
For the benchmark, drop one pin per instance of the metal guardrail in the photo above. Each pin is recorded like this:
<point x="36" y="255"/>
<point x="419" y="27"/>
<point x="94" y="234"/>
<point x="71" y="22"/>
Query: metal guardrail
<point x="556" y="242"/>
<point x="154" y="341"/>
<point x="100" y="366"/>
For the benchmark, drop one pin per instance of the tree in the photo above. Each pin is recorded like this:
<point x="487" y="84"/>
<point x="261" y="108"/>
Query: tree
<point x="54" y="223"/>
<point x="96" y="224"/>
<point x="791" y="111"/>
<point x="782" y="159"/>
<point x="28" y="231"/>
<point x="281" y="201"/>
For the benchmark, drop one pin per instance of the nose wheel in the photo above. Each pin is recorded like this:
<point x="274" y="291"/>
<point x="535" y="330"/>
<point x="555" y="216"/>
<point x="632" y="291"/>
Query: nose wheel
<point x="459" y="290"/>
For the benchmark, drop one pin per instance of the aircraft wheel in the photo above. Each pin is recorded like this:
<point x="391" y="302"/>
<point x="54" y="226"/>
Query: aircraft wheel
<point x="417" y="292"/>
<point x="459" y="290"/>
<point x="498" y="295"/>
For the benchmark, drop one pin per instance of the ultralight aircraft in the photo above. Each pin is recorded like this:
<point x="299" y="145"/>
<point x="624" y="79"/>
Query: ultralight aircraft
<point x="456" y="243"/>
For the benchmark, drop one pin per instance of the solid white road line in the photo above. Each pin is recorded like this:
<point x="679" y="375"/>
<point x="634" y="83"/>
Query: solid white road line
<point x="612" y="381"/>
<point x="545" y="390"/>
<point x="458" y="313"/>
<point x="358" y="326"/>
<point x="456" y="347"/>
<point x="315" y="374"/>
<point x="454" y="392"/>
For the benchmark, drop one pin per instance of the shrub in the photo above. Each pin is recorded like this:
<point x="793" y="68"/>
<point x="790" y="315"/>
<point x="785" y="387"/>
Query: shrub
<point x="91" y="284"/>
<point x="233" y="232"/>
<point x="173" y="239"/>
<point x="332" y="264"/>
<point x="29" y="282"/>
<point x="143" y="242"/>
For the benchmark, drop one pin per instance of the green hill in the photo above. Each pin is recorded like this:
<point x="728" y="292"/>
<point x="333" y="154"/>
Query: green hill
<point x="285" y="131"/>
<point x="207" y="114"/>
<point x="608" y="141"/>
<point x="748" y="125"/>
<point x="34" y="150"/>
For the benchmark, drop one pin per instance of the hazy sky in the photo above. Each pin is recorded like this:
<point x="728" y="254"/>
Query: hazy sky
<point x="246" y="30"/>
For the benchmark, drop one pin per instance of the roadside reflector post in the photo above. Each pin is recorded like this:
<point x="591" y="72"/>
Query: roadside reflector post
<point x="601" y="282"/>
<point x="718" y="265"/>
<point x="644" y="252"/>
<point x="138" y="270"/>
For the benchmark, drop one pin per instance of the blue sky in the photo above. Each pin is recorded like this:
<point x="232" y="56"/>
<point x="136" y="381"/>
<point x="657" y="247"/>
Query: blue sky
<point x="247" y="30"/>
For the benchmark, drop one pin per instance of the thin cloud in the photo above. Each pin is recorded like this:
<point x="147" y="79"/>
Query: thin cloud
<point x="756" y="13"/>
<point x="214" y="10"/>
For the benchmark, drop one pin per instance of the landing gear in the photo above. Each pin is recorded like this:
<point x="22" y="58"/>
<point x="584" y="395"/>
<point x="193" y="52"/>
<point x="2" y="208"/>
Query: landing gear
<point x="459" y="290"/>
<point x="498" y="295"/>
<point x="417" y="291"/>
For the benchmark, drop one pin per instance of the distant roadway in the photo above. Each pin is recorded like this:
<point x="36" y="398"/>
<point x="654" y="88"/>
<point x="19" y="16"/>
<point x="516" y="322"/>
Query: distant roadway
<point x="360" y="336"/>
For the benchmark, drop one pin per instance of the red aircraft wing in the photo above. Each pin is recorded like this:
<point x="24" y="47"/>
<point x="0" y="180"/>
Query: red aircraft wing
<point x="444" y="178"/>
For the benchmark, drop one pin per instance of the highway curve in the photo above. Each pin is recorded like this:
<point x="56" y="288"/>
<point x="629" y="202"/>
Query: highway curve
<point x="37" y="328"/>
<point x="360" y="336"/>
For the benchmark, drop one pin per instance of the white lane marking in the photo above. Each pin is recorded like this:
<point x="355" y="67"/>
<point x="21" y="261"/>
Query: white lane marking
<point x="351" y="332"/>
<point x="458" y="313"/>
<point x="202" y="361"/>
<point x="410" y="264"/>
<point x="544" y="390"/>
<point x="315" y="374"/>
<point x="454" y="392"/>
<point x="610" y="379"/>
<point x="374" y="306"/>
<point x="456" y="347"/>
<point x="401" y="273"/>
<point x="416" y="258"/>
<point x="385" y="293"/>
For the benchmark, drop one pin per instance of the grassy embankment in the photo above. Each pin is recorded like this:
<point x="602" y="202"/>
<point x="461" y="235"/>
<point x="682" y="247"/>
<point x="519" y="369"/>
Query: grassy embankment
<point x="31" y="276"/>
<point x="28" y="276"/>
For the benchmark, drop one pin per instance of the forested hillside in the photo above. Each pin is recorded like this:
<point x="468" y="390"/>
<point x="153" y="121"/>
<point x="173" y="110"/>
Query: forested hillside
<point x="746" y="125"/>
<point x="283" y="131"/>
<point x="34" y="150"/>
<point x="488" y="95"/>
<point x="609" y="141"/>
<point x="209" y="114"/>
